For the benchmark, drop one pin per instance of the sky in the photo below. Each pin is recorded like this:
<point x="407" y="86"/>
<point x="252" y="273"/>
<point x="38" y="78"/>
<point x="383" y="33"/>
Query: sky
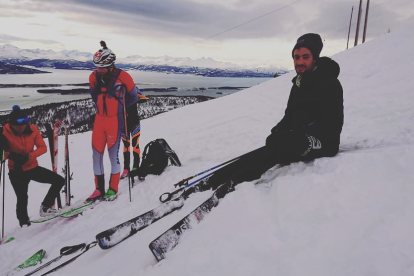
<point x="244" y="32"/>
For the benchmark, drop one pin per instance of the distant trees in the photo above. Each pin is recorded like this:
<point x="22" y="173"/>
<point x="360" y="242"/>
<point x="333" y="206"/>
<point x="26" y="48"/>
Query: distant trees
<point x="81" y="113"/>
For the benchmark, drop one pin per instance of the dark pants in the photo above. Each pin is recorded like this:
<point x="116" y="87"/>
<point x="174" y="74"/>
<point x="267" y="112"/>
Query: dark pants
<point x="134" y="133"/>
<point x="20" y="182"/>
<point x="281" y="148"/>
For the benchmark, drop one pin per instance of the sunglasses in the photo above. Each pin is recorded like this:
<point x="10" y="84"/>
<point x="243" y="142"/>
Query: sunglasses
<point x="22" y="121"/>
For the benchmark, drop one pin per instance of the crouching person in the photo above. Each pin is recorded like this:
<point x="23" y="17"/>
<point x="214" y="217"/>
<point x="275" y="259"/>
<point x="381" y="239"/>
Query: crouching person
<point x="22" y="138"/>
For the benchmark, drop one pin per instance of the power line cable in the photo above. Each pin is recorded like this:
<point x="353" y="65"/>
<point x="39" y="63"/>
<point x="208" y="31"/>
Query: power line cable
<point x="245" y="23"/>
<point x="371" y="17"/>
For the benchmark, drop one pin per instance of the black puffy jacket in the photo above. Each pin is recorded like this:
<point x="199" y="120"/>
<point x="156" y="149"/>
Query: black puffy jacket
<point x="316" y="106"/>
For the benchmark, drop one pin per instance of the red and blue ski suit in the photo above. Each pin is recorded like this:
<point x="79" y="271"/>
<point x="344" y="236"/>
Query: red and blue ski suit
<point x="112" y="95"/>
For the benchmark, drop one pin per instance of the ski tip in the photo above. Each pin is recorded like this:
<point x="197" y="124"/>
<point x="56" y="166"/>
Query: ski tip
<point x="159" y="256"/>
<point x="103" y="242"/>
<point x="4" y="241"/>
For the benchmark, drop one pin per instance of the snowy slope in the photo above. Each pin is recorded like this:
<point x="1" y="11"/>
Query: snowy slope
<point x="348" y="215"/>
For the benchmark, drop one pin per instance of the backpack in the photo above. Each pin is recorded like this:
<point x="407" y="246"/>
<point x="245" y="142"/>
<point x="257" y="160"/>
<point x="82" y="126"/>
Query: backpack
<point x="156" y="156"/>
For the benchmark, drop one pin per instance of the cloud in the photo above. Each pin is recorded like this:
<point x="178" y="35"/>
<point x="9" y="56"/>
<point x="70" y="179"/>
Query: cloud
<point x="4" y="38"/>
<point x="177" y="17"/>
<point x="199" y="19"/>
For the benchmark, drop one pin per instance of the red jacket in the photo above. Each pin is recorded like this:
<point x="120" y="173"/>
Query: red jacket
<point x="24" y="144"/>
<point x="109" y="98"/>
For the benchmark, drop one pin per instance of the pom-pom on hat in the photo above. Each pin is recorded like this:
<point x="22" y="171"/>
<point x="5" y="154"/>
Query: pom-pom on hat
<point x="18" y="117"/>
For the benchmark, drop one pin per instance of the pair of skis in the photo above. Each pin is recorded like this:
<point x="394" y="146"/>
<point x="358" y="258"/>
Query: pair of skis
<point x="170" y="238"/>
<point x="53" y="137"/>
<point x="68" y="213"/>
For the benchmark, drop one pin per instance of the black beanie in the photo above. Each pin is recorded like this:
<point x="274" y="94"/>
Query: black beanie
<point x="16" y="114"/>
<point x="311" y="41"/>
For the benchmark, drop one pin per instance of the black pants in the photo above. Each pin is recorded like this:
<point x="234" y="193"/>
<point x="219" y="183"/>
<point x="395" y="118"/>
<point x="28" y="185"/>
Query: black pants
<point x="134" y="133"/>
<point x="20" y="182"/>
<point x="281" y="148"/>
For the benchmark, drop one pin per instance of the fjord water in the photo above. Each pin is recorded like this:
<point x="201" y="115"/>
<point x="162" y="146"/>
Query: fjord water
<point x="188" y="85"/>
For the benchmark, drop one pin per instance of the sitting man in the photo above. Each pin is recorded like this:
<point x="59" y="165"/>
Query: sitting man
<point x="312" y="123"/>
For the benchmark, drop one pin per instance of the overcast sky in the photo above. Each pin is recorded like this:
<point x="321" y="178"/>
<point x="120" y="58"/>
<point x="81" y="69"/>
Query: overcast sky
<point x="179" y="28"/>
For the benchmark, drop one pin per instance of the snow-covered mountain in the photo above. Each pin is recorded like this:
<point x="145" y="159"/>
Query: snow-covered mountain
<point x="347" y="215"/>
<point x="8" y="52"/>
<point x="180" y="62"/>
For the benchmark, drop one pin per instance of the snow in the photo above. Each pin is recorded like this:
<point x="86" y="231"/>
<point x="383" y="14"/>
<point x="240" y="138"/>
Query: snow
<point x="347" y="215"/>
<point x="10" y="51"/>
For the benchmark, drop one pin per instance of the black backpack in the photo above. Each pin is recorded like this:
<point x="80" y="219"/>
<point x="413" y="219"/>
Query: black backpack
<point x="156" y="156"/>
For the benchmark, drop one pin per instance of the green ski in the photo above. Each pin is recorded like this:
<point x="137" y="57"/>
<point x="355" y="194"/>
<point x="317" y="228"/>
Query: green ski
<point x="7" y="240"/>
<point x="69" y="213"/>
<point x="77" y="211"/>
<point x="32" y="261"/>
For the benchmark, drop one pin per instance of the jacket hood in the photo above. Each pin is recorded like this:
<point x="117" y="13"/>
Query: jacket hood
<point x="326" y="68"/>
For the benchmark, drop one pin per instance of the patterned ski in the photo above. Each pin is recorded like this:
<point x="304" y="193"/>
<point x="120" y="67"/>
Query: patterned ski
<point x="170" y="238"/>
<point x="121" y="232"/>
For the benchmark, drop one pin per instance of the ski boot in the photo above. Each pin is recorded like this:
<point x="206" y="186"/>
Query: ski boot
<point x="135" y="172"/>
<point x="95" y="196"/>
<point x="46" y="211"/>
<point x="125" y="174"/>
<point x="26" y="223"/>
<point x="225" y="188"/>
<point x="99" y="191"/>
<point x="110" y="195"/>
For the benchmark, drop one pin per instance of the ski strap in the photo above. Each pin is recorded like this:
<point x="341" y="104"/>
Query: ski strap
<point x="67" y="250"/>
<point x="85" y="249"/>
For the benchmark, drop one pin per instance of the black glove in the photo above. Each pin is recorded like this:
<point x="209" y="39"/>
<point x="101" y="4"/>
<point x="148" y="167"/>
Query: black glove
<point x="274" y="129"/>
<point x="18" y="159"/>
<point x="4" y="144"/>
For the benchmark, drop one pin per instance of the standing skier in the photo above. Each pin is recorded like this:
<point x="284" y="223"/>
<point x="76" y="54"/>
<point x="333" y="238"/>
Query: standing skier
<point x="133" y="133"/>
<point x="21" y="138"/>
<point x="113" y="91"/>
<point x="312" y="123"/>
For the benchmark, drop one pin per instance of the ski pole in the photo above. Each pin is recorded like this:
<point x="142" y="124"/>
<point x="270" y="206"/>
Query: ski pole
<point x="89" y="246"/>
<point x="170" y="195"/>
<point x="2" y="172"/>
<point x="4" y="191"/>
<point x="126" y="133"/>
<point x="185" y="181"/>
<point x="67" y="250"/>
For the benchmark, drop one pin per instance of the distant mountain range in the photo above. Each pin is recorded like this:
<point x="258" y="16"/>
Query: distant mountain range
<point x="76" y="60"/>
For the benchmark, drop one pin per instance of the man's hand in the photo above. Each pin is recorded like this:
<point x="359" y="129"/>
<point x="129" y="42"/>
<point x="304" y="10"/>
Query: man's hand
<point x="18" y="159"/>
<point x="4" y="144"/>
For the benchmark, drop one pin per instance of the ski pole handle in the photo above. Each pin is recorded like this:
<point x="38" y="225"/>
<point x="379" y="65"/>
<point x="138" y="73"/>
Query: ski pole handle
<point x="169" y="195"/>
<point x="67" y="250"/>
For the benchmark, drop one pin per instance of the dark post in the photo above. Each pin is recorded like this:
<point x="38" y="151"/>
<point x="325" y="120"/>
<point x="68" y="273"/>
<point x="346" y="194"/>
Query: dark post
<point x="349" y="31"/>
<point x="358" y="23"/>
<point x="366" y="23"/>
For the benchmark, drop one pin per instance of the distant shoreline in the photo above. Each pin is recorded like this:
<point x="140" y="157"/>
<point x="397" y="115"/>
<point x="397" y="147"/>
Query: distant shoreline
<point x="76" y="91"/>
